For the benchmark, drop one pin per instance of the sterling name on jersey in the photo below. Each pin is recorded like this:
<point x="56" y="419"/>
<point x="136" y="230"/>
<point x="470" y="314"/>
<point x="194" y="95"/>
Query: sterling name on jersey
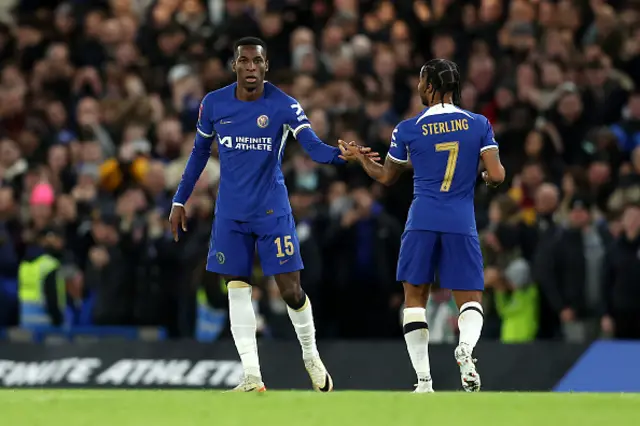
<point x="444" y="144"/>
<point x="251" y="138"/>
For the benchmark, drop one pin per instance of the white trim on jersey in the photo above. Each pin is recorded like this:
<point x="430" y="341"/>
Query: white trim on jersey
<point x="203" y="134"/>
<point x="299" y="128"/>
<point x="397" y="160"/>
<point x="283" y="141"/>
<point x="443" y="109"/>
<point x="488" y="147"/>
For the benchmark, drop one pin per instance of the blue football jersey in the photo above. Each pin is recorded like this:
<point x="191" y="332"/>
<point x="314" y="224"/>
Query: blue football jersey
<point x="444" y="144"/>
<point x="251" y="139"/>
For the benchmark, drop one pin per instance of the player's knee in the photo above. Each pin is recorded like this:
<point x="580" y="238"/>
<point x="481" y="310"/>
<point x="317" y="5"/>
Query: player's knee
<point x="471" y="306"/>
<point x="233" y="281"/>
<point x="462" y="298"/>
<point x="415" y="296"/>
<point x="238" y="290"/>
<point x="294" y="297"/>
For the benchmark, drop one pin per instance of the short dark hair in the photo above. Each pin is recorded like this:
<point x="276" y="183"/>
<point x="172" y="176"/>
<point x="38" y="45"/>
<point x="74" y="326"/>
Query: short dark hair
<point x="444" y="76"/>
<point x="249" y="41"/>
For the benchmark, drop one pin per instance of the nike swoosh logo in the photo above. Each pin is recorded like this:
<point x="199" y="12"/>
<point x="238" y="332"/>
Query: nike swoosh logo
<point x="225" y="122"/>
<point x="282" y="262"/>
<point x="327" y="384"/>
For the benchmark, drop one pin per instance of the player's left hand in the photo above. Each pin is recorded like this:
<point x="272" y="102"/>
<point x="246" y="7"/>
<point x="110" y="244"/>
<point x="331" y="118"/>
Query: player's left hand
<point x="351" y="151"/>
<point x="487" y="181"/>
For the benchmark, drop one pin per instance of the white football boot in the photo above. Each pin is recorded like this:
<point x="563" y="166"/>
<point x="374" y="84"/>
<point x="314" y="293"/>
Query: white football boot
<point x="424" y="386"/>
<point x="250" y="384"/>
<point x="320" y="378"/>
<point x="468" y="374"/>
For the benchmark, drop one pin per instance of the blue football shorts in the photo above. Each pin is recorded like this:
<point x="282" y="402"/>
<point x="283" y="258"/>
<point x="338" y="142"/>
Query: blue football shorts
<point x="233" y="246"/>
<point x="455" y="257"/>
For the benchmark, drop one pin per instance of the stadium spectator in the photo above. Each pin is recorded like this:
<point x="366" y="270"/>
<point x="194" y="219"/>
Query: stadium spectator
<point x="541" y="238"/>
<point x="620" y="290"/>
<point x="572" y="270"/>
<point x="43" y="286"/>
<point x="516" y="298"/>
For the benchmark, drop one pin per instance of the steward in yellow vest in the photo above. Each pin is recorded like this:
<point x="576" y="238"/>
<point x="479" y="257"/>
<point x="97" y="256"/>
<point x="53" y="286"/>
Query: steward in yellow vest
<point x="42" y="282"/>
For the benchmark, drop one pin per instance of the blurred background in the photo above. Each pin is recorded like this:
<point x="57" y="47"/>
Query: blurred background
<point x="98" y="105"/>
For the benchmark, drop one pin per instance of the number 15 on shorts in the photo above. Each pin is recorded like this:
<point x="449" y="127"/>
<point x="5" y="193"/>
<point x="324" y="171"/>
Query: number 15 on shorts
<point x="284" y="246"/>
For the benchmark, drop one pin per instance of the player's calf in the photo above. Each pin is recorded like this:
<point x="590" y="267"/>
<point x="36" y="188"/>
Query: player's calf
<point x="301" y="315"/>
<point x="243" y="330"/>
<point x="416" y="334"/>
<point x="300" y="312"/>
<point x="294" y="296"/>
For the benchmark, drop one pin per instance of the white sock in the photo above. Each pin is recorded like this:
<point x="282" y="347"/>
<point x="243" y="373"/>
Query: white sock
<point x="243" y="326"/>
<point x="302" y="320"/>
<point x="416" y="334"/>
<point x="470" y="323"/>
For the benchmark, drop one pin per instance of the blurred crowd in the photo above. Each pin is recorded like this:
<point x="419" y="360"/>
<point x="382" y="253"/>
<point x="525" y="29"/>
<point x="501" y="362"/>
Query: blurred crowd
<point x="98" y="105"/>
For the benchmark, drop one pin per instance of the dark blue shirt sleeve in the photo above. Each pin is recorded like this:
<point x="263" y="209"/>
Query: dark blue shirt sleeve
<point x="488" y="139"/>
<point x="199" y="154"/>
<point x="205" y="118"/>
<point x="398" y="152"/>
<point x="301" y="128"/>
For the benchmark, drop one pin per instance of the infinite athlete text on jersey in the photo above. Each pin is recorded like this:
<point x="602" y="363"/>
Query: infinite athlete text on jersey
<point x="247" y="143"/>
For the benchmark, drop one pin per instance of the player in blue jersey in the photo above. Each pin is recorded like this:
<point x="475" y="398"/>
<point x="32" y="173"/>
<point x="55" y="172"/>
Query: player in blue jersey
<point x="444" y="144"/>
<point x="251" y="120"/>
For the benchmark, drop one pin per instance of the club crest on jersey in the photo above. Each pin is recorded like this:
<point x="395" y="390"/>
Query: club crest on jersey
<point x="263" y="121"/>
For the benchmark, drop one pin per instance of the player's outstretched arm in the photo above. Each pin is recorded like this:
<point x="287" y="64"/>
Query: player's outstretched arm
<point x="494" y="174"/>
<point x="317" y="150"/>
<point x="311" y="143"/>
<point x="387" y="173"/>
<point x="327" y="154"/>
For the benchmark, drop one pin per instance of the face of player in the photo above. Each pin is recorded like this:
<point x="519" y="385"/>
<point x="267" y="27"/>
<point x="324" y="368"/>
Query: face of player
<point x="250" y="66"/>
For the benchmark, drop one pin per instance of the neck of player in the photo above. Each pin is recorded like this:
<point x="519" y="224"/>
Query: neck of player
<point x="249" y="94"/>
<point x="438" y="99"/>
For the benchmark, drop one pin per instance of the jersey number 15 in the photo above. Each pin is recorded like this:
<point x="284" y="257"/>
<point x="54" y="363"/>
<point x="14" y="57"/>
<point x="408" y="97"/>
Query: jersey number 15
<point x="289" y="248"/>
<point x="452" y="148"/>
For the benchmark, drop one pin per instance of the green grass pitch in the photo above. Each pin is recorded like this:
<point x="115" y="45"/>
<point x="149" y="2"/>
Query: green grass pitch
<point x="280" y="408"/>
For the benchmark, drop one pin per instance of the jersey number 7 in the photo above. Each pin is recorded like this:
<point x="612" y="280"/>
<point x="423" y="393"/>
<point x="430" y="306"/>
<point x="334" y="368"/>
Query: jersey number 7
<point x="452" y="148"/>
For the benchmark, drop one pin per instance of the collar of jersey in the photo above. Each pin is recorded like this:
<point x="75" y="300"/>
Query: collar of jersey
<point x="440" y="109"/>
<point x="235" y="98"/>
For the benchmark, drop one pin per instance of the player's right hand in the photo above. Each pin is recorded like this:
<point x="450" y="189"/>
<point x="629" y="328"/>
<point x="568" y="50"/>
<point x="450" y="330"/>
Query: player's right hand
<point x="371" y="155"/>
<point x="177" y="218"/>
<point x="352" y="151"/>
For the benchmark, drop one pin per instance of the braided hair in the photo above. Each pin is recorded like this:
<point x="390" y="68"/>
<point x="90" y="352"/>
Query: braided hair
<point x="444" y="77"/>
